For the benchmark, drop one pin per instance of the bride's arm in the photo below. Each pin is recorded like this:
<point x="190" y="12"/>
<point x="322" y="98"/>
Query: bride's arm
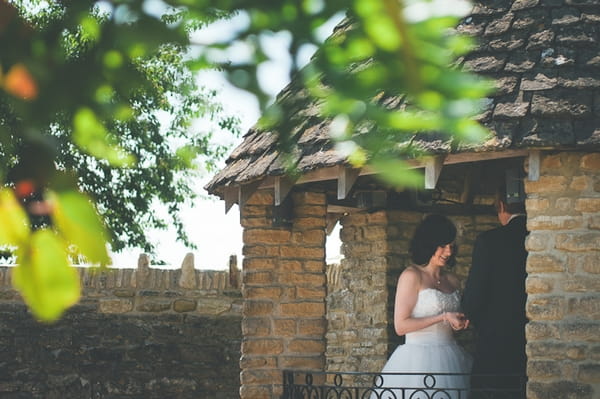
<point x="407" y="291"/>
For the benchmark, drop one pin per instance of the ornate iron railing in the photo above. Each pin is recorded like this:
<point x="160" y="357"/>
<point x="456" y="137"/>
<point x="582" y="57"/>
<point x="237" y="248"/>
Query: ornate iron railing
<point x="354" y="385"/>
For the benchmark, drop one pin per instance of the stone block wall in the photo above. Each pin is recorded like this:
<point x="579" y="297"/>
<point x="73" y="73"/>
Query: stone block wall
<point x="563" y="284"/>
<point x="283" y="285"/>
<point x="136" y="333"/>
<point x="360" y="334"/>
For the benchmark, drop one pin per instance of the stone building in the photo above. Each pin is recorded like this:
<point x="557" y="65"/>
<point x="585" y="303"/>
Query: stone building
<point x="544" y="56"/>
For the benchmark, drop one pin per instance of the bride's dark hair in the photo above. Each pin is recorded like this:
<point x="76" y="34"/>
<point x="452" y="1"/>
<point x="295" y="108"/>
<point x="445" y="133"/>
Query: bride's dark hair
<point x="433" y="232"/>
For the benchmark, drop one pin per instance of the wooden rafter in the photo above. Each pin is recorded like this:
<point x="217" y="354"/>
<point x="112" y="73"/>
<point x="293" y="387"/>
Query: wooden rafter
<point x="332" y="172"/>
<point x="341" y="209"/>
<point x="346" y="177"/>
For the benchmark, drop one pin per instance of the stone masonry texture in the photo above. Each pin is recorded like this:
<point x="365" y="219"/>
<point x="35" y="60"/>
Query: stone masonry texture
<point x="284" y="289"/>
<point x="135" y="334"/>
<point x="563" y="284"/>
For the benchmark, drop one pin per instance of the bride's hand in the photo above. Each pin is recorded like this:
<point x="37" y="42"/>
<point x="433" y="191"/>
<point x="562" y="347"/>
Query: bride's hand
<point x="457" y="320"/>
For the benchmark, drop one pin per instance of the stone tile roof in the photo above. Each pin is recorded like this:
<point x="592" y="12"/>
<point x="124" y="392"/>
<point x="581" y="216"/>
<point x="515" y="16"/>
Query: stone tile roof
<point x="544" y="56"/>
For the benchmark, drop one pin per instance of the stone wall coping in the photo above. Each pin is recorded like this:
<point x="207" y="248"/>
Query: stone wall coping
<point x="151" y="290"/>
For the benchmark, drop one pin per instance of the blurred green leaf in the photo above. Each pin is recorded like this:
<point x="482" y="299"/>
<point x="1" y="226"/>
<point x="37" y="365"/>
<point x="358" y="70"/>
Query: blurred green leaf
<point x="48" y="283"/>
<point x="383" y="33"/>
<point x="409" y="121"/>
<point x="91" y="135"/>
<point x="104" y="94"/>
<point x="14" y="223"/>
<point x="90" y="27"/>
<point x="358" y="158"/>
<point x="77" y="221"/>
<point x="360" y="49"/>
<point x="397" y="173"/>
<point x="430" y="100"/>
<point x="470" y="131"/>
<point x="113" y="59"/>
<point x="187" y="154"/>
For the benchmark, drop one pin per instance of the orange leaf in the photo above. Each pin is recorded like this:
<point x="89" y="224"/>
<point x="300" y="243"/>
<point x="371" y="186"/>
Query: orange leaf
<point x="24" y="188"/>
<point x="19" y="82"/>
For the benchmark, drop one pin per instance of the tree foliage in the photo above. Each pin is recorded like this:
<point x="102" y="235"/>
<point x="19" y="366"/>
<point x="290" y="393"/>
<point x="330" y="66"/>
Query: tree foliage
<point x="96" y="119"/>
<point x="83" y="84"/>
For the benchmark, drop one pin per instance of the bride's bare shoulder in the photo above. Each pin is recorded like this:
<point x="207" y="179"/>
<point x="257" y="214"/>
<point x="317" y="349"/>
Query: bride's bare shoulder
<point x="411" y="273"/>
<point x="409" y="283"/>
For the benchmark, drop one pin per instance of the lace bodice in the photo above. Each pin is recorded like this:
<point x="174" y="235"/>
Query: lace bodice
<point x="431" y="302"/>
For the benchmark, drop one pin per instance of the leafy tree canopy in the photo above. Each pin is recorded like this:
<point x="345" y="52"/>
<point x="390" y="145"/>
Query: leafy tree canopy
<point x="84" y="82"/>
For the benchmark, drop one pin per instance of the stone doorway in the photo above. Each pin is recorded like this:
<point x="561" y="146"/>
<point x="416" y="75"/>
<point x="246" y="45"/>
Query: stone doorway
<point x="361" y="289"/>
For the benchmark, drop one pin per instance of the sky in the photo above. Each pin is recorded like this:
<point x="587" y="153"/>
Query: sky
<point x="219" y="235"/>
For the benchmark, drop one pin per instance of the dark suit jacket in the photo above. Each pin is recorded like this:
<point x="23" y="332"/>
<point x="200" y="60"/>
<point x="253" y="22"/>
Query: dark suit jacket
<point x="494" y="299"/>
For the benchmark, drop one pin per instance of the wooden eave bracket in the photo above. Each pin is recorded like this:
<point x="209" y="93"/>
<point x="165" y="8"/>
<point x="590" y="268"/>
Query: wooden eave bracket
<point x="533" y="169"/>
<point x="246" y="191"/>
<point x="239" y="194"/>
<point x="231" y="196"/>
<point x="433" y="168"/>
<point x="282" y="187"/>
<point x="346" y="179"/>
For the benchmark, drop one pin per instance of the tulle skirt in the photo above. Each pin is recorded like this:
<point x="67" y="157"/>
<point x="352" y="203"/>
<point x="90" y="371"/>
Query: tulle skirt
<point x="424" y="360"/>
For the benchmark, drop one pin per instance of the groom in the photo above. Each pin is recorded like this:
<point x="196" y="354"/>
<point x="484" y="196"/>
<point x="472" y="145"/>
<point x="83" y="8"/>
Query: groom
<point x="494" y="299"/>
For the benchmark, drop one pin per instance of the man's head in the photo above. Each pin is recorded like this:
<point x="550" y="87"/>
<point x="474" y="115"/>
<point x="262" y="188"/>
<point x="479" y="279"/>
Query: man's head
<point x="505" y="209"/>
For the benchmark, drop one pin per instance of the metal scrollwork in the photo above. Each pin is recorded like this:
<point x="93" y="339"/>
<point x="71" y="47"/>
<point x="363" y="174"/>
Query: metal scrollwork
<point x="338" y="380"/>
<point x="429" y="381"/>
<point x="354" y="385"/>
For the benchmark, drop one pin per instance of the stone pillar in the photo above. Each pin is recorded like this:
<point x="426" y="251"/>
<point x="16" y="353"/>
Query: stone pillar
<point x="283" y="285"/>
<point x="563" y="283"/>
<point x="360" y="307"/>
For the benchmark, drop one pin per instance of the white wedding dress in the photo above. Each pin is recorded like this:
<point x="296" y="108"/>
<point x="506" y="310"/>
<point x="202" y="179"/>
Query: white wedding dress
<point x="430" y="350"/>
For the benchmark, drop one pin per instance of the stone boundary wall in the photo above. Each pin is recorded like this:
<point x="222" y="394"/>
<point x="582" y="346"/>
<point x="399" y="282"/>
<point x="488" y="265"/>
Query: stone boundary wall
<point x="563" y="284"/>
<point x="135" y="333"/>
<point x="146" y="289"/>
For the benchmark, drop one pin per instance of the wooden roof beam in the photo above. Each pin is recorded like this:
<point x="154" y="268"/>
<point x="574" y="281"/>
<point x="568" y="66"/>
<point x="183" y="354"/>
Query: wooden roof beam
<point x="332" y="172"/>
<point x="342" y="209"/>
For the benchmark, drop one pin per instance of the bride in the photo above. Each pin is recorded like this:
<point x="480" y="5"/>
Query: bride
<point x="426" y="311"/>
